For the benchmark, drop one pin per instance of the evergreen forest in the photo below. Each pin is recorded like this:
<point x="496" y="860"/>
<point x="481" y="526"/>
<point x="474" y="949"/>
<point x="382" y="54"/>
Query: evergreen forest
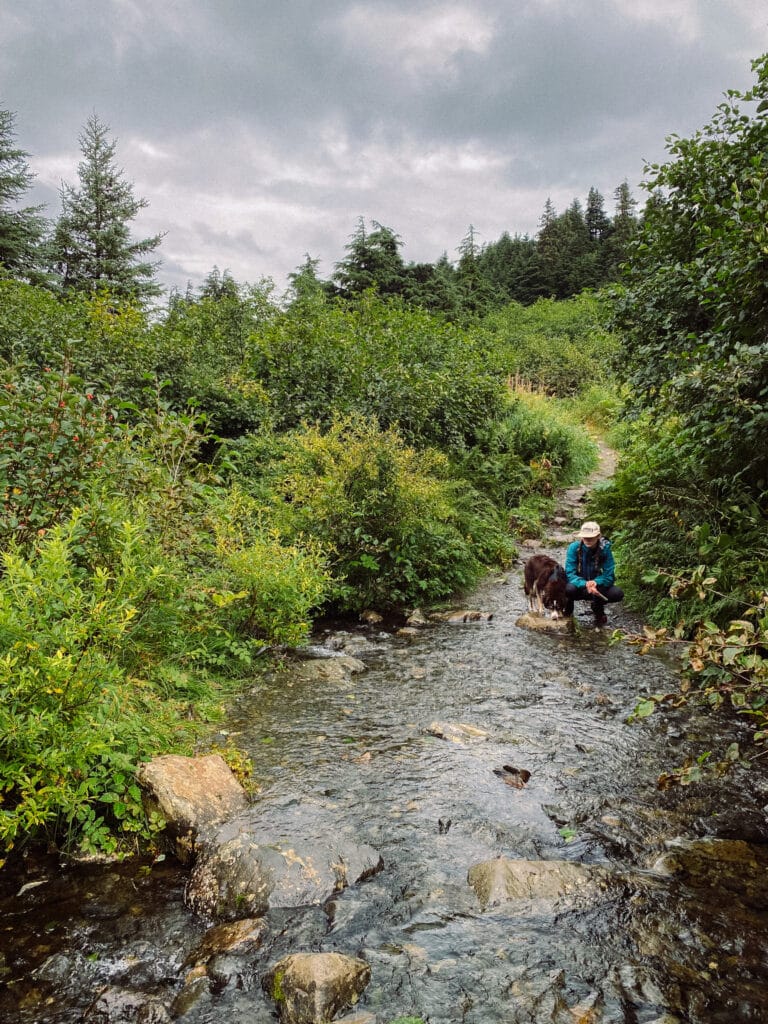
<point x="190" y="481"/>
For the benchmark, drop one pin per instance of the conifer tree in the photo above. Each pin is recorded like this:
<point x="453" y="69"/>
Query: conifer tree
<point x="92" y="246"/>
<point x="21" y="230"/>
<point x="374" y="260"/>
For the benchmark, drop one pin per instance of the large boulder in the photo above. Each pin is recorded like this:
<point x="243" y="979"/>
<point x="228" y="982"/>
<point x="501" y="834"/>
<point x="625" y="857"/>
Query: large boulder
<point x="311" y="988"/>
<point x="193" y="794"/>
<point x="503" y="880"/>
<point x="242" y="876"/>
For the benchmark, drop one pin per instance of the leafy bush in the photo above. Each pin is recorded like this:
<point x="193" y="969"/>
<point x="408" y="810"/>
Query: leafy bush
<point x="54" y="435"/>
<point x="379" y="359"/>
<point x="560" y="348"/>
<point x="269" y="588"/>
<point x="389" y="521"/>
<point x="668" y="517"/>
<point x="76" y="708"/>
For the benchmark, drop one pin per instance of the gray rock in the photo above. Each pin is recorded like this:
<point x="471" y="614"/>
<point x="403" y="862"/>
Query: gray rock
<point x="240" y="877"/>
<point x="193" y="794"/>
<point x="503" y="880"/>
<point x="311" y="988"/>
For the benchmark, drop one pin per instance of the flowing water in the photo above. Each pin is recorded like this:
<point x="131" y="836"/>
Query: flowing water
<point x="356" y="758"/>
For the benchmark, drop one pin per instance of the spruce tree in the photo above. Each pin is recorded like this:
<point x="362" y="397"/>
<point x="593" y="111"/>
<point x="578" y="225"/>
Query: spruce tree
<point x="92" y="245"/>
<point x="21" y="230"/>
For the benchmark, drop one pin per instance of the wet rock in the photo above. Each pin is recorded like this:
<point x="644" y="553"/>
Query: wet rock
<point x="407" y="631"/>
<point x="193" y="794"/>
<point x="503" y="880"/>
<point x="197" y="986"/>
<point x="371" y="617"/>
<point x="724" y="865"/>
<point x="329" y="670"/>
<point x="113" y="1005"/>
<point x="242" y="937"/>
<point x="462" y="615"/>
<point x="240" y="877"/>
<point x="311" y="988"/>
<point x="456" y="732"/>
<point x="417" y="618"/>
<point x="543" y="624"/>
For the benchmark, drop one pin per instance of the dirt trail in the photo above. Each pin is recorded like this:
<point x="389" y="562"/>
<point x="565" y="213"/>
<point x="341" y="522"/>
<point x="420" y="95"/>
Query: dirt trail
<point x="569" y="510"/>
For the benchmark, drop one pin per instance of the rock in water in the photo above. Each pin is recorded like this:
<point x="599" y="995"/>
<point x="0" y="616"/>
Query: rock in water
<point x="503" y="880"/>
<point x="541" y="624"/>
<point x="310" y="988"/>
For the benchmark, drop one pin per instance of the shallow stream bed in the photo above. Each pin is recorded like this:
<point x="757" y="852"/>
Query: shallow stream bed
<point x="679" y="934"/>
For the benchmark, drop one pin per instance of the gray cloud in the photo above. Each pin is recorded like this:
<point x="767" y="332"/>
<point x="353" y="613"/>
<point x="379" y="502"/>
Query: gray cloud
<point x="261" y="131"/>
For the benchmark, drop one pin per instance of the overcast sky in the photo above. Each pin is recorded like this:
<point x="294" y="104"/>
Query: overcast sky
<point x="261" y="130"/>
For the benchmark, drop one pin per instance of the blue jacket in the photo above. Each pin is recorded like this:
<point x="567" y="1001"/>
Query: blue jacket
<point x="582" y="564"/>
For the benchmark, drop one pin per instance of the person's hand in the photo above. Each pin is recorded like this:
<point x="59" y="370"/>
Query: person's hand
<point x="591" y="587"/>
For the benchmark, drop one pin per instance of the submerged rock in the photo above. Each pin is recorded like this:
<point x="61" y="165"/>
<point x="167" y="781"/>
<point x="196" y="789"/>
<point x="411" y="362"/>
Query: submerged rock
<point x="240" y="877"/>
<point x="456" y="732"/>
<point x="728" y="865"/>
<point x="543" y="624"/>
<point x="502" y="880"/>
<point x="193" y="794"/>
<point x="329" y="670"/>
<point x="311" y="988"/>
<point x="244" y="936"/>
<point x="462" y="615"/>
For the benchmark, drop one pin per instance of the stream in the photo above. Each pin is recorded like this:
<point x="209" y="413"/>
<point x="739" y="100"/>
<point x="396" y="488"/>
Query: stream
<point x="680" y="937"/>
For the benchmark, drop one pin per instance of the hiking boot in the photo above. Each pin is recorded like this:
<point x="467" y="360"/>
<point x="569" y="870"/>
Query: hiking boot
<point x="601" y="620"/>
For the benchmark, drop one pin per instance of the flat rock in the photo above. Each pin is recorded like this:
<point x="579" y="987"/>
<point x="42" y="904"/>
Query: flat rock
<point x="456" y="732"/>
<point x="503" y="880"/>
<point x="329" y="670"/>
<point x="727" y="865"/>
<point x="543" y="624"/>
<point x="461" y="615"/>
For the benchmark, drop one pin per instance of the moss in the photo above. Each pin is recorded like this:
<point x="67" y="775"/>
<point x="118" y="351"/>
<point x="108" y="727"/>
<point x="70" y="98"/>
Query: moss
<point x="277" y="987"/>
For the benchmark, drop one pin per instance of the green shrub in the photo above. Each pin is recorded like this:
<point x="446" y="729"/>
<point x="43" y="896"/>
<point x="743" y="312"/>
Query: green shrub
<point x="54" y="437"/>
<point x="390" y="522"/>
<point x="666" y="514"/>
<point x="77" y="709"/>
<point x="268" y="588"/>
<point x="559" y="347"/>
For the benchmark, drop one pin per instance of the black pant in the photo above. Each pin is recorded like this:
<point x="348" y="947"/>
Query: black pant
<point x="607" y="594"/>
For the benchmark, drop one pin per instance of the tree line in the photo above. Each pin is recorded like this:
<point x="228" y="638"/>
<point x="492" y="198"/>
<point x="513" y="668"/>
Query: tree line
<point x="89" y="246"/>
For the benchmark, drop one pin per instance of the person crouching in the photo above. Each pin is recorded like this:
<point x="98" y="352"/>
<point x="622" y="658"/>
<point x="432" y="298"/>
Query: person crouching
<point x="590" y="569"/>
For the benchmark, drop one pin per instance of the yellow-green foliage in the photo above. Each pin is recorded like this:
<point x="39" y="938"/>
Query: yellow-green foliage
<point x="386" y="514"/>
<point x="270" y="587"/>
